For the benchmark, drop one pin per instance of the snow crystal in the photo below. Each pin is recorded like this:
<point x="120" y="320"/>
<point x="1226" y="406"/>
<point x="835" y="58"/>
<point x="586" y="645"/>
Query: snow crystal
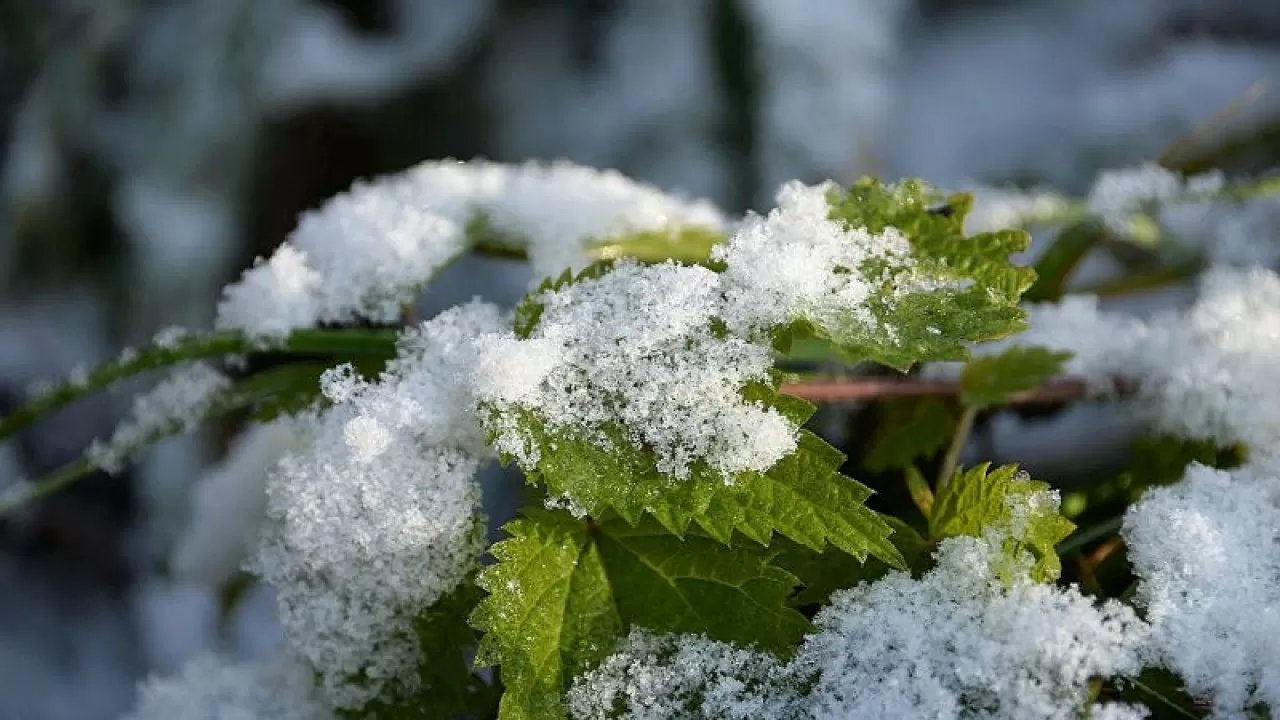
<point x="961" y="639"/>
<point x="1118" y="711"/>
<point x="958" y="638"/>
<point x="662" y="353"/>
<point x="1207" y="551"/>
<point x="798" y="263"/>
<point x="211" y="687"/>
<point x="636" y="349"/>
<point x="369" y="251"/>
<point x="180" y="400"/>
<point x="376" y="519"/>
<point x="671" y="677"/>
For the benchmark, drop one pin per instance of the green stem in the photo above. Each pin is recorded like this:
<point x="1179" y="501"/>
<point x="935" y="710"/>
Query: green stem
<point x="951" y="460"/>
<point x="1172" y="705"/>
<point x="1085" y="536"/>
<point x="218" y="344"/>
<point x="246" y="394"/>
<point x="1062" y="257"/>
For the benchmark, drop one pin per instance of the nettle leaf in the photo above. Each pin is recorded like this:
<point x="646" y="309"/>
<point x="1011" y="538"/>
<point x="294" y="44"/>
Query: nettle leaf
<point x="822" y="573"/>
<point x="1163" y="459"/>
<point x="1007" y="500"/>
<point x="968" y="288"/>
<point x="991" y="379"/>
<point x="564" y="591"/>
<point x="909" y="429"/>
<point x="803" y="496"/>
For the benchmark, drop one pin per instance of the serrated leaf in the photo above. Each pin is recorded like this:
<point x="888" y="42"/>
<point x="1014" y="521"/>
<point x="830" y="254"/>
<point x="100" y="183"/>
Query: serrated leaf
<point x="565" y="590"/>
<point x="991" y="379"/>
<point x="970" y="289"/>
<point x="1005" y="500"/>
<point x="909" y="429"/>
<point x="445" y="677"/>
<point x="1163" y="459"/>
<point x="918" y="487"/>
<point x="823" y="573"/>
<point x="803" y="496"/>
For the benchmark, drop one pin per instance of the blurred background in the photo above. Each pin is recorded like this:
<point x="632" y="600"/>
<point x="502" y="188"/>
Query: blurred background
<point x="151" y="149"/>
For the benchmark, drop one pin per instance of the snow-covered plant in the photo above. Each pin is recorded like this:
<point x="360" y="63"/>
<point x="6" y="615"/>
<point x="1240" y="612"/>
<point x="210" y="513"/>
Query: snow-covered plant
<point x="690" y="547"/>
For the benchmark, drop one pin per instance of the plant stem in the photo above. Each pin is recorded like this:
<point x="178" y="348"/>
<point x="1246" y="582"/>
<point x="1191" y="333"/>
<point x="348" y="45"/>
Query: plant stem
<point x="951" y="460"/>
<point x="218" y="344"/>
<point x="1084" y="536"/>
<point x="1060" y="390"/>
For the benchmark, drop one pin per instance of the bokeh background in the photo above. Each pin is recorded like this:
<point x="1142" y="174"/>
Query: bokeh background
<point x="151" y="149"/>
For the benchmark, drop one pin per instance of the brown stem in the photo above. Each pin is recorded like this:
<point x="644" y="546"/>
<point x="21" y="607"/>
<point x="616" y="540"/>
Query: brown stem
<point x="1061" y="390"/>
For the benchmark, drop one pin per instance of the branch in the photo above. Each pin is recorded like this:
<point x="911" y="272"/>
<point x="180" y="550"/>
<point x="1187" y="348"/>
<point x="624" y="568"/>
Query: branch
<point x="1061" y="390"/>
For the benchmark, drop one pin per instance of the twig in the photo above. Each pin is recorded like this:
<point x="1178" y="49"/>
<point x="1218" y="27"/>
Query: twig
<point x="951" y="460"/>
<point x="1061" y="390"/>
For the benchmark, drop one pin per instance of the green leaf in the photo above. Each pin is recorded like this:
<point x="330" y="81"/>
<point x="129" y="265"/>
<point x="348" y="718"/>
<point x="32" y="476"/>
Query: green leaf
<point x="1005" y="500"/>
<point x="909" y="429"/>
<point x="289" y="389"/>
<point x="528" y="311"/>
<point x="803" y="496"/>
<point x="976" y="287"/>
<point x="354" y="344"/>
<point x="991" y="379"/>
<point x="686" y="244"/>
<point x="1060" y="259"/>
<point x="447" y="683"/>
<point x="918" y="487"/>
<point x="823" y="573"/>
<point x="1163" y="459"/>
<point x="565" y="590"/>
<point x="263" y="395"/>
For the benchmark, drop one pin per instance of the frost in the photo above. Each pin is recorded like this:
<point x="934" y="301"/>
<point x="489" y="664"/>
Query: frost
<point x="182" y="399"/>
<point x="799" y="263"/>
<point x="957" y="638"/>
<point x="211" y="687"/>
<point x="1118" y="711"/>
<point x="1207" y="551"/>
<point x="657" y="677"/>
<point x="962" y="641"/>
<point x="368" y="251"/>
<point x="376" y="519"/>
<point x="636" y="348"/>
